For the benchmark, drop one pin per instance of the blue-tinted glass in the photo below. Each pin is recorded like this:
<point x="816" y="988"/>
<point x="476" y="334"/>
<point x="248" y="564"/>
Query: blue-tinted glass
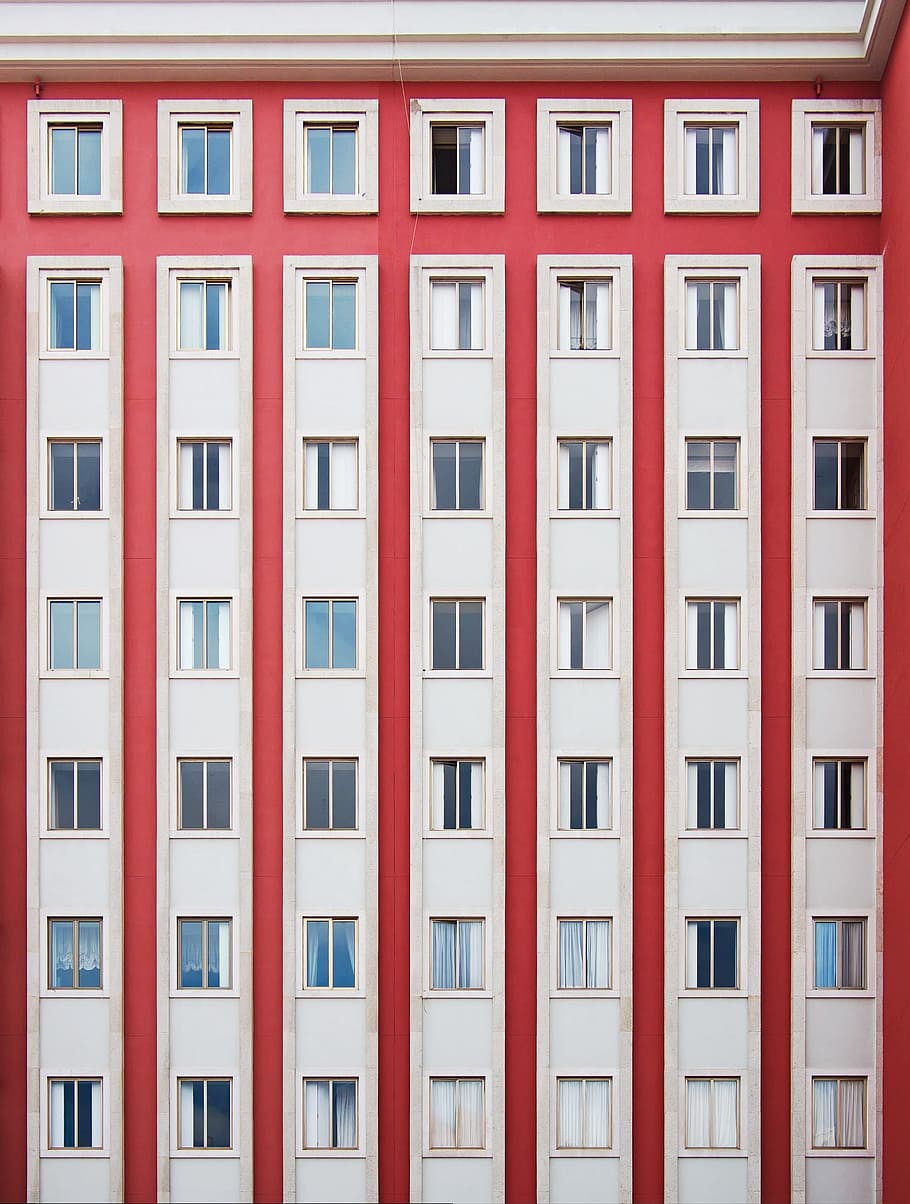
<point x="88" y="635"/>
<point x="88" y="460"/>
<point x="825" y="475"/>
<point x="444" y="485"/>
<point x="343" y="953"/>
<point x="63" y="798"/>
<point x="88" y="794"/>
<point x="191" y="953"/>
<point x="725" y="954"/>
<point x="317" y="313"/>
<point x="344" y="635"/>
<point x="317" y="635"/>
<point x="86" y="300"/>
<point x="192" y="159"/>
<point x="575" y="159"/>
<point x="212" y="475"/>
<point x="62" y="954"/>
<point x="470" y="636"/>
<point x="703" y="953"/>
<point x="317" y="953"/>
<point x="703" y="635"/>
<point x="590" y="145"/>
<point x="63" y="315"/>
<point x="61" y="650"/>
<point x="88" y="178"/>
<point x="317" y="794"/>
<point x="323" y="483"/>
<point x="702" y="160"/>
<point x="344" y="162"/>
<point x="219" y="794"/>
<point x="219" y="163"/>
<point x="63" y="493"/>
<point x="198" y="1113"/>
<point x="470" y="473"/>
<point x="198" y="477"/>
<point x="89" y="953"/>
<point x="443" y="635"/>
<point x="344" y="794"/>
<point x="63" y="160"/>
<point x="825" y="954"/>
<point x="84" y="1135"/>
<point x="216" y="618"/>
<point x="191" y="809"/>
<point x="215" y="299"/>
<point x="344" y="316"/>
<point x="69" y="1113"/>
<point x="318" y="159"/>
<point x="219" y="969"/>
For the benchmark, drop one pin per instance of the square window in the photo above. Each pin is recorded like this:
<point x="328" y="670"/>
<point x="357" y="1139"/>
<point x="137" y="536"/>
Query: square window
<point x="330" y="1114"/>
<point x="74" y="955"/>
<point x="584" y="795"/>
<point x="585" y="634"/>
<point x="711" y="160"/>
<point x="456" y="315"/>
<point x="74" y="1114"/>
<point x="712" y="635"/>
<point x="204" y="640"/>
<point x="330" y="474"/>
<point x="836" y="156"/>
<point x="457" y="1119"/>
<point x="584" y="955"/>
<point x="457" y="474"/>
<point x="329" y="795"/>
<point x="584" y="156"/>
<point x="74" y="634"/>
<point x="205" y="156"/>
<point x="839" y="315"/>
<point x="331" y="156"/>
<point x="712" y="315"/>
<point x="203" y="795"/>
<point x="839" y="641"/>
<point x="457" y="795"/>
<point x="838" y="794"/>
<point x="204" y="1114"/>
<point x="585" y="315"/>
<point x="330" y="315"/>
<point x="75" y="156"/>
<point x="584" y="474"/>
<point x="712" y="1114"/>
<point x="712" y="794"/>
<point x="330" y="633"/>
<point x="204" y="474"/>
<point x="204" y="315"/>
<point x="74" y="475"/>
<point x="74" y="795"/>
<point x="457" y="156"/>
<point x="840" y="955"/>
<point x="74" y="315"/>
<point x="204" y="954"/>
<point x="457" y="958"/>
<point x="330" y="954"/>
<point x="712" y="474"/>
<point x="839" y="472"/>
<point x="712" y="955"/>
<point x="584" y="1114"/>
<point x="839" y="1113"/>
<point x="457" y="633"/>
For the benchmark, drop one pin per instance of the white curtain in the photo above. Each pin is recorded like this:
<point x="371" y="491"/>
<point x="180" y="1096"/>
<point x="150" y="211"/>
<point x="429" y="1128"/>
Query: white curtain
<point x="823" y="301"/>
<point x="564" y="634"/>
<point x="597" y="636"/>
<point x="95" y="309"/>
<point x="470" y="954"/>
<point x="852" y="955"/>
<point x="470" y="1114"/>
<point x="191" y="311"/>
<point x="597" y="938"/>
<point x="726" y="1113"/>
<point x="601" y="136"/>
<point x="190" y="635"/>
<point x="569" y="317"/>
<point x="857" y="818"/>
<point x="317" y="936"/>
<point x="600" y="483"/>
<point x="692" y="295"/>
<point x="219" y="613"/>
<point x="442" y="1113"/>
<point x="444" y="315"/>
<point x="224" y="476"/>
<point x="58" y="1115"/>
<point x="219" y="951"/>
<point x="857" y="317"/>
<point x="89" y="946"/>
<point x="570" y="1107"/>
<point x="343" y="485"/>
<point x="564" y="161"/>
<point x="692" y="635"/>
<point x="444" y="935"/>
<point x="602" y="780"/>
<point x="730" y="174"/>
<point x="571" y="953"/>
<point x="824" y="1113"/>
<point x="597" y="1114"/>
<point x="477" y="794"/>
<point x="345" y="1114"/>
<point x="187" y="1114"/>
<point x="185" y="475"/>
<point x="825" y="954"/>
<point x="191" y="946"/>
<point x="698" y="1113"/>
<point x="852" y="1114"/>
<point x="857" y="162"/>
<point x="731" y="793"/>
<point x="317" y="1114"/>
<point x="475" y="136"/>
<point x="344" y="940"/>
<point x="311" y="470"/>
<point x="731" y="635"/>
<point x="857" y="635"/>
<point x="729" y="309"/>
<point x="474" y="291"/>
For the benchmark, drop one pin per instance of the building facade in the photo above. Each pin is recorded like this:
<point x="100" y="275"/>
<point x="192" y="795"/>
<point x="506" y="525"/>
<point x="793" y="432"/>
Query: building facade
<point x="454" y="584"/>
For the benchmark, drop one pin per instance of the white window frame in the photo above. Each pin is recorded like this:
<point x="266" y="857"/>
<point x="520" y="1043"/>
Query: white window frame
<point x="744" y="116"/>
<point x="490" y="114"/>
<point x="712" y="915"/>
<point x="330" y="992"/>
<point x="737" y="278"/>
<point x="739" y="669"/>
<point x="737" y="1151"/>
<point x="563" y="758"/>
<point x="434" y="511"/>
<point x="456" y="992"/>
<point x="205" y="832"/>
<point x="65" y="275"/>
<point x="69" y="1073"/>
<point x="359" y="669"/>
<point x="45" y="510"/>
<point x="742" y="477"/>
<point x="839" y="437"/>
<point x="189" y="596"/>
<point x="362" y="115"/>
<point x="172" y="114"/>
<point x="457" y="1151"/>
<point x="333" y="274"/>
<point x="458" y="280"/>
<point x="42" y="116"/>
<point x="331" y="512"/>
<point x="600" y="671"/>
<point x="207" y="275"/>
<point x="179" y="992"/>
<point x="742" y="794"/>
<point x="617" y="114"/>
<point x="567" y="279"/>
<point x="103" y="669"/>
<point x="455" y="671"/>
<point x="842" y="281"/>
<point x="866" y="114"/>
<point x="609" y="511"/>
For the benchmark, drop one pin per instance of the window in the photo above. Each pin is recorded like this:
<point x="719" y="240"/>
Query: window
<point x="204" y="1112"/>
<point x="839" y="794"/>
<point x="457" y="156"/>
<point x="74" y="474"/>
<point x="75" y="160"/>
<point x="204" y="315"/>
<point x="711" y="156"/>
<point x="330" y="474"/>
<point x="330" y="315"/>
<point x="712" y="793"/>
<point x="711" y="159"/>
<point x="840" y="634"/>
<point x="75" y="315"/>
<point x="584" y="794"/>
<point x="712" y="961"/>
<point x="584" y="474"/>
<point x="584" y="160"/>
<point x="457" y="474"/>
<point x="712" y="635"/>
<point x="330" y="1114"/>
<point x="74" y="790"/>
<point x="836" y="156"/>
<point x="205" y="160"/>
<point x="457" y="634"/>
<point x="712" y="474"/>
<point x="456" y="315"/>
<point x="457" y="959"/>
<point x="457" y="795"/>
<point x="205" y="954"/>
<point x="584" y="955"/>
<point x="74" y="955"/>
<point x="205" y="634"/>
<point x="585" y="634"/>
<point x="75" y="633"/>
<point x="330" y="150"/>
<point x="330" y="953"/>
<point x="838" y="159"/>
<point x="204" y="474"/>
<point x="457" y="1114"/>
<point x="330" y="159"/>
<point x="840" y="955"/>
<point x="839" y="1114"/>
<point x="712" y="315"/>
<point x="585" y="315"/>
<point x="75" y="1114"/>
<point x="840" y="474"/>
<point x="329" y="795"/>
<point x="75" y="156"/>
<point x="584" y="1114"/>
<point x="584" y="156"/>
<point x="330" y="634"/>
<point x="204" y="794"/>
<point x="839" y="315"/>
<point x="712" y="1114"/>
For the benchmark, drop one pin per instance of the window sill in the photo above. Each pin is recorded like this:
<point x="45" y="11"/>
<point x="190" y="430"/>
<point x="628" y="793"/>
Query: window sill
<point x="730" y="204"/>
<point x="695" y="353"/>
<point x="332" y="1155"/>
<point x="203" y="834"/>
<point x="455" y="1152"/>
<point x="331" y="674"/>
<point x="583" y="353"/>
<point x="460" y="994"/>
<point x="326" y="202"/>
<point x="75" y="674"/>
<point x="709" y="1152"/>
<point x="332" y="993"/>
<point x="329" y="353"/>
<point x="75" y="993"/>
<point x="575" y="515"/>
<point x="584" y="993"/>
<point x="55" y="1154"/>
<point x="457" y="203"/>
<point x="75" y="834"/>
<point x="64" y="204"/>
<point x="471" y="515"/>
<point x="206" y="515"/>
<point x="456" y="353"/>
<point x="457" y="675"/>
<point x="841" y="675"/>
<point x="713" y="675"/>
<point x="204" y="674"/>
<point x="71" y="354"/>
<point x="580" y="202"/>
<point x="822" y="993"/>
<point x="209" y="1155"/>
<point x="842" y="515"/>
<point x="231" y="993"/>
<point x="843" y="204"/>
<point x="330" y="514"/>
<point x="713" y="515"/>
<point x="712" y="834"/>
<point x="203" y="204"/>
<point x="835" y="1153"/>
<point x="329" y="834"/>
<point x="604" y="1152"/>
<point x="840" y="834"/>
<point x="584" y="833"/>
<point x="585" y="675"/>
<point x="457" y="834"/>
<point x="711" y="993"/>
<point x="202" y="356"/>
<point x="816" y="354"/>
<point x="68" y="516"/>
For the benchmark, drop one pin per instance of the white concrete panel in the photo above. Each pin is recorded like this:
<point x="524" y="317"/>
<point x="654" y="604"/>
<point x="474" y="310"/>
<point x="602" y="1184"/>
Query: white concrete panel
<point x="205" y="1033"/>
<point x="205" y="876"/>
<point x="840" y="713"/>
<point x="331" y="876"/>
<point x="585" y="1180"/>
<point x="75" y="714"/>
<point x="457" y="396"/>
<point x="584" y="715"/>
<point x="839" y="1180"/>
<point x="458" y="1036"/>
<point x="205" y="1178"/>
<point x="204" y="555"/>
<point x="75" y="1179"/>
<point x="841" y="554"/>
<point x="330" y="1036"/>
<point x="457" y="556"/>
<point x="204" y="394"/>
<point x="457" y="1180"/>
<point x="840" y="873"/>
<point x="712" y="395"/>
<point x="74" y="395"/>
<point x="342" y="1180"/>
<point x="585" y="557"/>
<point x="204" y="713"/>
<point x="331" y="556"/>
<point x="713" y="874"/>
<point x="713" y="1032"/>
<point x="713" y="714"/>
<point x="585" y="876"/>
<point x="73" y="557"/>
<point x="584" y="1034"/>
<point x="331" y="716"/>
<point x="713" y="1181"/>
<point x="840" y="393"/>
<point x="458" y="876"/>
<point x="331" y="396"/>
<point x="713" y="556"/>
<point x="585" y="396"/>
<point x="74" y="876"/>
<point x="457" y="714"/>
<point x="840" y="1035"/>
<point x="67" y="1025"/>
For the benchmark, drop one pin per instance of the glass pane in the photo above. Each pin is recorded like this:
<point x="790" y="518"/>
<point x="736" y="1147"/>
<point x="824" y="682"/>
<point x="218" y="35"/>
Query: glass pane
<point x="191" y="307"/>
<point x="218" y="180"/>
<point x="317" y="313"/>
<point x="88" y="480"/>
<point x="63" y="160"/>
<point x="443" y="635"/>
<point x="61" y="954"/>
<point x="61" y="635"/>
<point x="344" y="635"/>
<point x="344" y="162"/>
<point x="344" y="316"/>
<point x="444" y="493"/>
<point x="317" y="953"/>
<point x="317" y="635"/>
<point x="63" y="315"/>
<point x="343" y="953"/>
<point x="444" y="159"/>
<point x="219" y="1114"/>
<point x="218" y="809"/>
<point x="190" y="953"/>
<point x="84" y="1094"/>
<point x="62" y="468"/>
<point x="470" y="635"/>
<point x="825" y="474"/>
<point x="192" y="159"/>
<point x="88" y="180"/>
<point x="470" y="476"/>
<point x="317" y="794"/>
<point x="86" y="316"/>
<point x="89" y="954"/>
<point x="88" y="794"/>
<point x="191" y="802"/>
<point x="725" y="954"/>
<point x="218" y="954"/>
<point x="853" y="483"/>
<point x="318" y="159"/>
<point x="63" y="797"/>
<point x="215" y="316"/>
<point x="344" y="794"/>
<point x="725" y="476"/>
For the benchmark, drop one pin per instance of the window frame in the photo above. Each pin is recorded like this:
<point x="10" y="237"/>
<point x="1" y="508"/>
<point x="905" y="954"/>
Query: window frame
<point x="840" y="757"/>
<point x="840" y="279"/>
<point x="207" y="1151"/>
<point x="490" y="114"/>
<point x="553" y="113"/>
<point x="178" y="439"/>
<point x="867" y="439"/>
<point x="333" y="274"/>
<point x="76" y="276"/>
<point x="712" y="916"/>
<point x="609" y="671"/>
<point x="567" y="279"/>
<point x="206" y="273"/>
<point x="331" y="512"/>
<point x="303" y="991"/>
<point x="362" y="115"/>
<point x="737" y="511"/>
<point x="565" y="992"/>
<point x="66" y="756"/>
<point x="714" y="759"/>
<point x="43" y="115"/>
<point x="741" y="114"/>
<point x="734" y="276"/>
<point x="861" y="113"/>
<point x="329" y="832"/>
<point x="204" y="671"/>
<point x="740" y="669"/>
<point x="479" y="276"/>
<point x="461" y="1075"/>
<point x="568" y="758"/>
<point x="842" y="598"/>
<point x="712" y="1151"/>
<point x="867" y="1150"/>
<point x="315" y="1151"/>
<point x="46" y="510"/>
<point x="173" y="115"/>
<point x="484" y="510"/>
<point x="839" y="916"/>
<point x="485" y="991"/>
<point x="455" y="672"/>
<point x="77" y="1076"/>
<point x="205" y="832"/>
<point x="359" y="667"/>
<point x="204" y="992"/>
<point x="582" y="1151"/>
<point x="102" y="991"/>
<point x="457" y="759"/>
<point x="556" y="511"/>
<point x="103" y="670"/>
